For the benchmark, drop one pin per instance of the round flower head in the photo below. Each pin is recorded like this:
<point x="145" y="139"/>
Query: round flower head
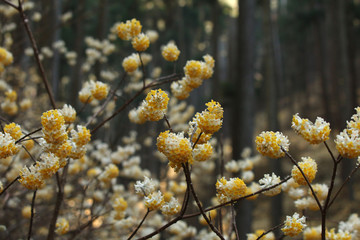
<point x="175" y="147"/>
<point x="348" y="143"/>
<point x="128" y="30"/>
<point x="170" y="52"/>
<point x="68" y="113"/>
<point x="209" y="60"/>
<point x="210" y="120"/>
<point x="309" y="167"/>
<point x="293" y="225"/>
<point x="62" y="226"/>
<point x="6" y="57"/>
<point x="314" y="133"/>
<point x="119" y="204"/>
<point x="52" y="120"/>
<point x="206" y="71"/>
<point x="193" y="82"/>
<point x="7" y="145"/>
<point x="99" y="90"/>
<point x="312" y="233"/>
<point x="141" y="42"/>
<point x="11" y="95"/>
<point x="14" y="130"/>
<point x="268" y="181"/>
<point x="31" y="178"/>
<point x="111" y="171"/>
<point x="269" y="144"/>
<point x="145" y="187"/>
<point x="202" y="152"/>
<point x="193" y="69"/>
<point x="157" y="99"/>
<point x="137" y="115"/>
<point x="355" y="120"/>
<point x="154" y="201"/>
<point x="230" y="190"/>
<point x="341" y="235"/>
<point x="85" y="95"/>
<point x="130" y="63"/>
<point x="48" y="165"/>
<point x="80" y="137"/>
<point x="194" y="133"/>
<point x="180" y="89"/>
<point x="171" y="207"/>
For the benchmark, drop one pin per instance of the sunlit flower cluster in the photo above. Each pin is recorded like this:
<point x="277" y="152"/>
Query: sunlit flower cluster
<point x="270" y="143"/>
<point x="210" y="120"/>
<point x="294" y="225"/>
<point x="309" y="167"/>
<point x="6" y="58"/>
<point x="175" y="147"/>
<point x="153" y="108"/>
<point x="269" y="181"/>
<point x="314" y="133"/>
<point x="195" y="73"/>
<point x="170" y="52"/>
<point x="228" y="190"/>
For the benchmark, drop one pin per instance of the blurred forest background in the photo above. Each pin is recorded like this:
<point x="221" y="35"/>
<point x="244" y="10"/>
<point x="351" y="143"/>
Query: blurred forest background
<point x="274" y="58"/>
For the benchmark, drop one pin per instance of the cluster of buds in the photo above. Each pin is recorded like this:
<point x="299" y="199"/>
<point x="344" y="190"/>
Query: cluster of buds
<point x="6" y="58"/>
<point x="195" y="73"/>
<point x="153" y="108"/>
<point x="93" y="89"/>
<point x="228" y="190"/>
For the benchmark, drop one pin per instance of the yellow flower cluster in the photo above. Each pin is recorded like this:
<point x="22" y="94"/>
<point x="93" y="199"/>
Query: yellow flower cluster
<point x="131" y="30"/>
<point x="269" y="144"/>
<point x="170" y="52"/>
<point x="119" y="204"/>
<point x="175" y="147"/>
<point x="230" y="190"/>
<point x="294" y="225"/>
<point x="62" y="226"/>
<point x="31" y="178"/>
<point x="9" y="106"/>
<point x="210" y="120"/>
<point x="93" y="89"/>
<point x="195" y="73"/>
<point x="258" y="233"/>
<point x="309" y="167"/>
<point x="341" y="235"/>
<point x="348" y="141"/>
<point x="154" y="200"/>
<point x="314" y="133"/>
<point x="312" y="233"/>
<point x="131" y="63"/>
<point x="14" y="130"/>
<point x="6" y="58"/>
<point x="170" y="207"/>
<point x="68" y="113"/>
<point x="7" y="145"/>
<point x="111" y="171"/>
<point x="202" y="152"/>
<point x="152" y="109"/>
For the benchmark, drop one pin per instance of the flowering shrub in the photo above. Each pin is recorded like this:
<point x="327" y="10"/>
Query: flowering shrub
<point x="53" y="165"/>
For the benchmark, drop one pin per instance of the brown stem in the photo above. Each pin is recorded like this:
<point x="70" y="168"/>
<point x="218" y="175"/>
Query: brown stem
<point x="138" y="227"/>
<point x="342" y="186"/>
<point x="175" y="220"/>
<point x="11" y="4"/>
<point x="270" y="230"/>
<point x="25" y="21"/>
<point x="168" y="123"/>
<point x="236" y="200"/>
<point x="197" y="140"/>
<point x="170" y="78"/>
<point x="188" y="179"/>
<point x="304" y="176"/>
<point x="233" y="219"/>
<point x="27" y="135"/>
<point x="330" y="152"/>
<point x="9" y="185"/>
<point x="32" y="214"/>
<point x="59" y="199"/>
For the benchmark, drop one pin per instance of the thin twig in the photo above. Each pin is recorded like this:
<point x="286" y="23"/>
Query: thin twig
<point x="25" y="21"/>
<point x="32" y="214"/>
<point x="11" y="4"/>
<point x="59" y="199"/>
<point x="330" y="152"/>
<point x="168" y="123"/>
<point x="233" y="219"/>
<point x="27" y="135"/>
<point x="342" y="186"/>
<point x="197" y="140"/>
<point x="188" y="179"/>
<point x="9" y="185"/>
<point x="304" y="176"/>
<point x="138" y="227"/>
<point x="270" y="230"/>
<point x="169" y="78"/>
